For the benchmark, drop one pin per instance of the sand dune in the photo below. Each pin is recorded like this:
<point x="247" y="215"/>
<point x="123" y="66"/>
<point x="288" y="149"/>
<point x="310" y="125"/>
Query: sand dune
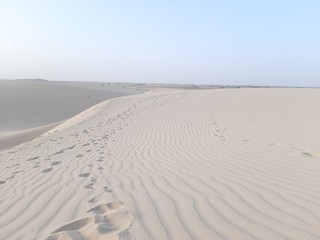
<point x="171" y="164"/>
<point x="14" y="138"/>
<point x="26" y="104"/>
<point x="30" y="107"/>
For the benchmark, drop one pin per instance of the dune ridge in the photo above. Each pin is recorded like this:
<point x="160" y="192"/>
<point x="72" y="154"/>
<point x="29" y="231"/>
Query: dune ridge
<point x="171" y="164"/>
<point x="26" y="104"/>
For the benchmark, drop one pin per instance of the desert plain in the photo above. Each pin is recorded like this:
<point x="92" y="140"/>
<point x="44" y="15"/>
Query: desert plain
<point x="138" y="161"/>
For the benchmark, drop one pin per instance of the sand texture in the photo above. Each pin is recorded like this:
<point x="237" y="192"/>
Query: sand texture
<point x="31" y="107"/>
<point x="171" y="164"/>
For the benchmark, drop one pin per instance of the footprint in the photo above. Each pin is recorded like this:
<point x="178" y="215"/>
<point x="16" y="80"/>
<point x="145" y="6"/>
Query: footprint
<point x="75" y="225"/>
<point x="84" y="174"/>
<point x="107" y="189"/>
<point x="55" y="163"/>
<point x="34" y="158"/>
<point x="113" y="223"/>
<point x="89" y="186"/>
<point x="47" y="170"/>
<point x="62" y="150"/>
<point x="93" y="200"/>
<point x="307" y="154"/>
<point x="2" y="182"/>
<point x="106" y="207"/>
<point x="78" y="156"/>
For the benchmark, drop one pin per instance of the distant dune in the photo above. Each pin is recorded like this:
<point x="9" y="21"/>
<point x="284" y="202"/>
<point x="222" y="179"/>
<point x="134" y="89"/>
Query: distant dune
<point x="30" y="107"/>
<point x="171" y="164"/>
<point x="32" y="103"/>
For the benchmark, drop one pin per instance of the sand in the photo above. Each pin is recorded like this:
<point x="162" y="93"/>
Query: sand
<point x="171" y="164"/>
<point x="26" y="104"/>
<point x="31" y="107"/>
<point x="14" y="138"/>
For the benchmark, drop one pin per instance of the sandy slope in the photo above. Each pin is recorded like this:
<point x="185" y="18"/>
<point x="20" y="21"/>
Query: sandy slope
<point x="26" y="104"/>
<point x="171" y="164"/>
<point x="14" y="138"/>
<point x="28" y="108"/>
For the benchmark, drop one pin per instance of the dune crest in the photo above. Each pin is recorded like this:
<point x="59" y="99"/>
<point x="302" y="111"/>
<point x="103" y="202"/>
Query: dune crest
<point x="171" y="164"/>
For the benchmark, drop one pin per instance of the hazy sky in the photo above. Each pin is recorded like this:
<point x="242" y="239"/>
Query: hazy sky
<point x="257" y="42"/>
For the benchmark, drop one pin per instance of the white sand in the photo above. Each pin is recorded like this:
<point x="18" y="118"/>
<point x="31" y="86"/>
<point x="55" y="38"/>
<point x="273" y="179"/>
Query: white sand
<point x="171" y="164"/>
<point x="29" y="108"/>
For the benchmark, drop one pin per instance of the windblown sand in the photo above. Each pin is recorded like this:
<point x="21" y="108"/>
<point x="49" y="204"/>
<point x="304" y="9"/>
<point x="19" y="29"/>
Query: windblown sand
<point x="171" y="164"/>
<point x="29" y="108"/>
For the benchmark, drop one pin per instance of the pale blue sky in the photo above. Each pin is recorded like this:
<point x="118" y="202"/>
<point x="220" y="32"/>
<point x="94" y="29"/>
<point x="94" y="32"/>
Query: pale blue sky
<point x="261" y="42"/>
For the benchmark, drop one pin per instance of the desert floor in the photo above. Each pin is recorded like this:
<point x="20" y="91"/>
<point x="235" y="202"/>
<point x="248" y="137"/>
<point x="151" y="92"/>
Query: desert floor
<point x="169" y="164"/>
